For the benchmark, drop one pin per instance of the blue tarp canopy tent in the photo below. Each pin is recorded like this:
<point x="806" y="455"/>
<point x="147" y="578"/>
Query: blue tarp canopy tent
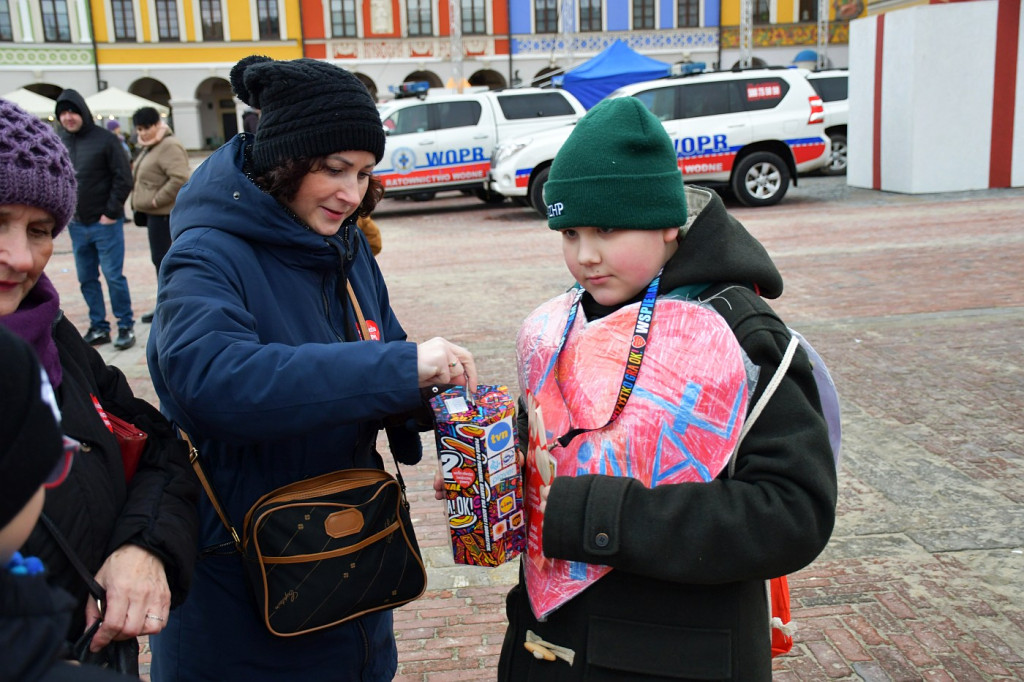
<point x="614" y="67"/>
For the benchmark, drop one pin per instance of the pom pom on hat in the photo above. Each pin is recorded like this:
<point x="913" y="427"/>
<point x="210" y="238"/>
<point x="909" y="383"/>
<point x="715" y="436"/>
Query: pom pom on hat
<point x="308" y="108"/>
<point x="618" y="169"/>
<point x="30" y="438"/>
<point x="35" y="169"/>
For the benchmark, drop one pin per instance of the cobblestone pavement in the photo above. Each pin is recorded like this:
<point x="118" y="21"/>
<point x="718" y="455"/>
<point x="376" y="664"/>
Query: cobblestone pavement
<point x="915" y="302"/>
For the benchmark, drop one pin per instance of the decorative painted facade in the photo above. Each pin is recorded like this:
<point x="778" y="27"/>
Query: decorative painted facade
<point x="179" y="52"/>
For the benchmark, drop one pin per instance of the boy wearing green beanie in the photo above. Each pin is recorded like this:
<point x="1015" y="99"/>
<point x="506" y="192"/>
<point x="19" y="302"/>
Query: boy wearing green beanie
<point x="685" y="599"/>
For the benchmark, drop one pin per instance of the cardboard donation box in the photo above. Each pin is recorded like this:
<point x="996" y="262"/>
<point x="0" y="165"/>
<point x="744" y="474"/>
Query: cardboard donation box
<point x="476" y="444"/>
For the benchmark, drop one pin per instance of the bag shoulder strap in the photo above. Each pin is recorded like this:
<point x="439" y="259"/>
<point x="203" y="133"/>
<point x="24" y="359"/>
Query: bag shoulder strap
<point x="193" y="457"/>
<point x="364" y="331"/>
<point x="95" y="589"/>
<point x="737" y="303"/>
<point x="769" y="390"/>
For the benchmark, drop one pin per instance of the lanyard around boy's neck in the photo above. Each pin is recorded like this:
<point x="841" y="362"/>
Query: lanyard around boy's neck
<point x="635" y="357"/>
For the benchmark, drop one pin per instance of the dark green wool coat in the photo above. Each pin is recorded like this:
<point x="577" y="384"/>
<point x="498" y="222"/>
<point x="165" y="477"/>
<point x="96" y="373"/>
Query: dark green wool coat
<point x="686" y="599"/>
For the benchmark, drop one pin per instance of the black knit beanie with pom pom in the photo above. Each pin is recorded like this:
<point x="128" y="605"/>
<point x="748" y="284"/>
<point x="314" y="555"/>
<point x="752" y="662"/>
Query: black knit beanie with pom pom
<point x="308" y="108"/>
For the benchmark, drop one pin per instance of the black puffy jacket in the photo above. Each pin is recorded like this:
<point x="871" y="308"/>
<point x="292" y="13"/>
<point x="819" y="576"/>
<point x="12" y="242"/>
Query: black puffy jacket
<point x="95" y="508"/>
<point x="33" y="619"/>
<point x="101" y="166"/>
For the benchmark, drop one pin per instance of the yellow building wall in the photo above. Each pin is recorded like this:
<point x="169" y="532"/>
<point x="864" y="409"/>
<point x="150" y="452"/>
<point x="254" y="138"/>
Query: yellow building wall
<point x="241" y="21"/>
<point x="150" y="50"/>
<point x="189" y="29"/>
<point x="786" y="10"/>
<point x="196" y="52"/>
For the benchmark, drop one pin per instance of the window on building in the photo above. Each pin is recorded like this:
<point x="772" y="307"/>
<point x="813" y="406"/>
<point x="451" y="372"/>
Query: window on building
<point x="419" y="18"/>
<point x="56" y="26"/>
<point x="213" y="21"/>
<point x="343" y="18"/>
<point x="474" y="17"/>
<point x="545" y="16"/>
<point x="643" y="14"/>
<point x="6" y="30"/>
<point x="590" y="15"/>
<point x="808" y="10"/>
<point x="689" y="13"/>
<point x="123" y="14"/>
<point x="167" y="19"/>
<point x="762" y="11"/>
<point x="266" y="16"/>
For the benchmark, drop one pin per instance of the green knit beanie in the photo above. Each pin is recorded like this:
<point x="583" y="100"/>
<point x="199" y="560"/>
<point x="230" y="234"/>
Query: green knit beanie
<point x="617" y="169"/>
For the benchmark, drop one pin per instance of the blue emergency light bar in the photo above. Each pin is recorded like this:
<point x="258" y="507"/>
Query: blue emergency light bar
<point x="410" y="89"/>
<point x="687" y="69"/>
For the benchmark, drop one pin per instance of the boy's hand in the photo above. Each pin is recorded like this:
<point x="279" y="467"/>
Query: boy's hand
<point x="544" y="489"/>
<point x="438" y="483"/>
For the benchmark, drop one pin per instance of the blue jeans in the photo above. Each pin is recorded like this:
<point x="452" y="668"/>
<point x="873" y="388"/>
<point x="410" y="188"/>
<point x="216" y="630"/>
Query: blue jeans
<point x="99" y="246"/>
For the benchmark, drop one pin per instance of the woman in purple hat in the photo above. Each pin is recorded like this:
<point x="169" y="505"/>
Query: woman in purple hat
<point x="135" y="534"/>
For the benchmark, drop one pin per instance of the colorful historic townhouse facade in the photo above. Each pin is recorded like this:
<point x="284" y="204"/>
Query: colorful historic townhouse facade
<point x="179" y="52"/>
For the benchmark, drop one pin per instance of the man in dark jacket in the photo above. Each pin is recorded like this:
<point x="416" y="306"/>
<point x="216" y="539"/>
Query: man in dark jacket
<point x="97" y="229"/>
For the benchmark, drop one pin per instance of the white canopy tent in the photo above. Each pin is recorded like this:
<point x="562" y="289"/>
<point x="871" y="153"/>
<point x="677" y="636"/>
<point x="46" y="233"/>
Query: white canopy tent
<point x="32" y="102"/>
<point x="116" y="103"/>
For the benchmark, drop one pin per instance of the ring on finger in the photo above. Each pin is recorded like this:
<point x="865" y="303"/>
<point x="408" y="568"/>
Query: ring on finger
<point x="453" y="364"/>
<point x="150" y="616"/>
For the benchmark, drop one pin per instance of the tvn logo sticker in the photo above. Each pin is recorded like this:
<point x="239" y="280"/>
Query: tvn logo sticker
<point x="499" y="436"/>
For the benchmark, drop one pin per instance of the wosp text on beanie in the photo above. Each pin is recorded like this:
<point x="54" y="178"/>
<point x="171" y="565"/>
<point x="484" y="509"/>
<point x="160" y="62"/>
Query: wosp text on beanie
<point x="618" y="169"/>
<point x="308" y="108"/>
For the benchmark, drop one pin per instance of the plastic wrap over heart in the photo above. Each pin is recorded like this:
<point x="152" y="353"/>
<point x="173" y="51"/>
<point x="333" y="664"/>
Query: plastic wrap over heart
<point x="680" y="424"/>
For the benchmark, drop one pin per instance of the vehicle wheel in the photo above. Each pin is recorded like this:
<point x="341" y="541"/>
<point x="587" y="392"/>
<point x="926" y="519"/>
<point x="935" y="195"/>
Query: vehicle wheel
<point x="837" y="156"/>
<point x="537" y="192"/>
<point x="422" y="196"/>
<point x="761" y="179"/>
<point x="489" y="197"/>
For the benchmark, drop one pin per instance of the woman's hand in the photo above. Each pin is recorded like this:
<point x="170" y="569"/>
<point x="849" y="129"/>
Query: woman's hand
<point x="138" y="597"/>
<point x="440" y="361"/>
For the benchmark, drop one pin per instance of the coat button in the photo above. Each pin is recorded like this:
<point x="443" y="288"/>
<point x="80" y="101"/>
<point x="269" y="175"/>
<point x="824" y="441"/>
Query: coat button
<point x="236" y="196"/>
<point x="601" y="540"/>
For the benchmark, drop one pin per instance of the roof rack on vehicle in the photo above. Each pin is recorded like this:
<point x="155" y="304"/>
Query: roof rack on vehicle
<point x="738" y="67"/>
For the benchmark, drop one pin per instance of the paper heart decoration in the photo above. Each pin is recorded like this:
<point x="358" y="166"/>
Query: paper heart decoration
<point x="681" y="423"/>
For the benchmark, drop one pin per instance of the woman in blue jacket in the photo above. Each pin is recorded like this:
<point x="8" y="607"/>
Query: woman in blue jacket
<point x="255" y="352"/>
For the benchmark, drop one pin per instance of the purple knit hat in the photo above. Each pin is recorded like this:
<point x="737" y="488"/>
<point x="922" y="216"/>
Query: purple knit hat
<point x="35" y="169"/>
<point x="113" y="124"/>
